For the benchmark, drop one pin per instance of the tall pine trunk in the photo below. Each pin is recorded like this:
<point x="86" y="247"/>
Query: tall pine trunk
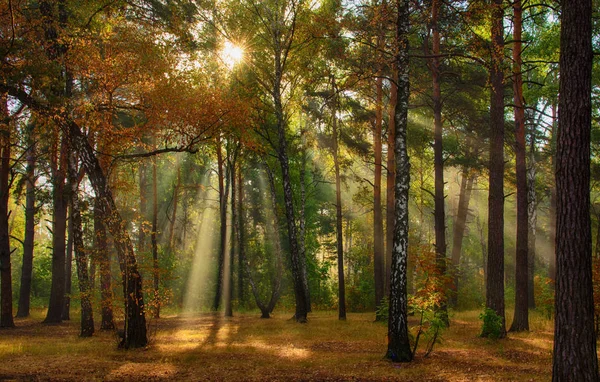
<point x="398" y="342"/>
<point x="223" y="193"/>
<point x="232" y="242"/>
<point x="521" y="317"/>
<point x="104" y="260"/>
<point x="495" y="262"/>
<point x="66" y="313"/>
<point x="6" y="315"/>
<point x="532" y="221"/>
<point x="378" y="242"/>
<point x="28" y="241"/>
<point x="241" y="237"/>
<point x="390" y="186"/>
<point x="154" y="239"/>
<point x="574" y="355"/>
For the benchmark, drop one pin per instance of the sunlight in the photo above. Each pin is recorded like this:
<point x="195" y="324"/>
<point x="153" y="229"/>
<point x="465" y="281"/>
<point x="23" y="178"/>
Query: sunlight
<point x="231" y="54"/>
<point x="200" y="276"/>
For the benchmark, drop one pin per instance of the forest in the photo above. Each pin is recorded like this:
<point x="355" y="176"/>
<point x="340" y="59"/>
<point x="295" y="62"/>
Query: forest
<point x="316" y="190"/>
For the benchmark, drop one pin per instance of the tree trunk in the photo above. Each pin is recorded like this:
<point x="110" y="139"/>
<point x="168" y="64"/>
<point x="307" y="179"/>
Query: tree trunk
<point x="495" y="263"/>
<point x="6" y="315"/>
<point x="241" y="237"/>
<point x="552" y="211"/>
<point x="104" y="260"/>
<point x="59" y="227"/>
<point x="28" y="241"/>
<point x="143" y="205"/>
<point x="532" y="220"/>
<point x="223" y="193"/>
<point x="398" y="342"/>
<point x="460" y="225"/>
<point x="66" y="313"/>
<point x="302" y="218"/>
<point x="390" y="187"/>
<point x="521" y="317"/>
<point x="154" y="240"/>
<point x="338" y="209"/>
<point x="574" y="355"/>
<point x="175" y="205"/>
<point x="232" y="241"/>
<point x="438" y="163"/>
<point x="87" y="317"/>
<point x="378" y="255"/>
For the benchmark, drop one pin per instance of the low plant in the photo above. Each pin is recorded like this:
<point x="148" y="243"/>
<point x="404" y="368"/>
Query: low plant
<point x="492" y="324"/>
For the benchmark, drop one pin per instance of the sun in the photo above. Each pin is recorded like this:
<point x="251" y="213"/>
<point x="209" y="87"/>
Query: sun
<point x="231" y="54"/>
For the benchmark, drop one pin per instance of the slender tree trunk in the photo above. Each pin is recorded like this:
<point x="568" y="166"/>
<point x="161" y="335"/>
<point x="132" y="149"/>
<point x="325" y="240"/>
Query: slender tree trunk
<point x="87" y="317"/>
<point x="495" y="263"/>
<point x="460" y="225"/>
<point x="390" y="187"/>
<point x="532" y="220"/>
<point x="28" y="241"/>
<point x="6" y="315"/>
<point x="154" y="239"/>
<point x="59" y="228"/>
<point x="223" y="192"/>
<point x="175" y="205"/>
<point x="241" y="236"/>
<point x="521" y="317"/>
<point x="378" y="247"/>
<point x="398" y="342"/>
<point x="438" y="162"/>
<point x="302" y="218"/>
<point x="574" y="355"/>
<point x="104" y="260"/>
<point x="66" y="313"/>
<point x="232" y="242"/>
<point x="143" y="206"/>
<point x="338" y="209"/>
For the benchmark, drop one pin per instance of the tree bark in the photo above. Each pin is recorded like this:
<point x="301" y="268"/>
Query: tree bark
<point x="154" y="240"/>
<point x="87" y="317"/>
<point x="241" y="237"/>
<point x="574" y="355"/>
<point x="460" y="225"/>
<point x="174" y="214"/>
<point x="143" y="205"/>
<point x="390" y="186"/>
<point x="232" y="240"/>
<point x="104" y="260"/>
<point x="521" y="317"/>
<point x="532" y="220"/>
<point x="438" y="162"/>
<point x="66" y="313"/>
<point x="59" y="228"/>
<point x="495" y="263"/>
<point x="552" y="210"/>
<point x="28" y="241"/>
<point x="398" y="342"/>
<point x="378" y="243"/>
<point x="223" y="194"/>
<point x="6" y="316"/>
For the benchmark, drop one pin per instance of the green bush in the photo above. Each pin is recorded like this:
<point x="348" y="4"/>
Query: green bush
<point x="492" y="324"/>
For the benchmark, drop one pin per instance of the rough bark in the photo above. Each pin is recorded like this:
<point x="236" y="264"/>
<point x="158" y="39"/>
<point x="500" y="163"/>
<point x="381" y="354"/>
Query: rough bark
<point x="59" y="228"/>
<point x="174" y="214"/>
<point x="28" y="241"/>
<point x="154" y="240"/>
<point x="495" y="262"/>
<point x="438" y="161"/>
<point x="223" y="194"/>
<point x="241" y="237"/>
<point x="6" y="315"/>
<point x="378" y="242"/>
<point x="398" y="342"/>
<point x="232" y="241"/>
<point x="338" y="212"/>
<point x="521" y="317"/>
<point x="302" y="219"/>
<point x="66" y="313"/>
<point x="460" y="225"/>
<point x="104" y="259"/>
<point x="574" y="355"/>
<point x="87" y="316"/>
<point x="390" y="185"/>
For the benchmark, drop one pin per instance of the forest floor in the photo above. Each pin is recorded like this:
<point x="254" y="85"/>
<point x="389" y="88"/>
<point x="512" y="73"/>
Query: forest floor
<point x="208" y="347"/>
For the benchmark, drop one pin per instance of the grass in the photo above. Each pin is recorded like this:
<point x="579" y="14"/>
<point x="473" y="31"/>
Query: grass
<point x="247" y="348"/>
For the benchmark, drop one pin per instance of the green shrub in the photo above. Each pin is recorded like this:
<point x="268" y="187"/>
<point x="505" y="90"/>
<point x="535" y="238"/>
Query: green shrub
<point x="492" y="324"/>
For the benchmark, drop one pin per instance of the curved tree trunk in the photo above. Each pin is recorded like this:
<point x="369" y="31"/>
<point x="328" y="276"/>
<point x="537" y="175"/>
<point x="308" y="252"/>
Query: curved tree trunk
<point x="574" y="355"/>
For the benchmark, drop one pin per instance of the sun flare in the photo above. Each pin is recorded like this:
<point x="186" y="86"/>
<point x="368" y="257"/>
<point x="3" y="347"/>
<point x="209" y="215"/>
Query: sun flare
<point x="231" y="54"/>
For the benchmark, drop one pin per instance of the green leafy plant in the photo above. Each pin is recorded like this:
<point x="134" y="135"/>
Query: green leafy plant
<point x="492" y="324"/>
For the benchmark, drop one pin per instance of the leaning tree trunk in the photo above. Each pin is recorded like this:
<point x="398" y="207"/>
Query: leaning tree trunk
<point x="398" y="342"/>
<point x="59" y="228"/>
<point x="521" y="317"/>
<point x="495" y="263"/>
<point x="6" y="316"/>
<point x="438" y="163"/>
<point x="104" y="261"/>
<point x="28" y="241"/>
<point x="87" y="316"/>
<point x="574" y="355"/>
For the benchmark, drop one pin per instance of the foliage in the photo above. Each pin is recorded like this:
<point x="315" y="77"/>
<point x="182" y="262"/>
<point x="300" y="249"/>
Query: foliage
<point x="544" y="296"/>
<point x="492" y="323"/>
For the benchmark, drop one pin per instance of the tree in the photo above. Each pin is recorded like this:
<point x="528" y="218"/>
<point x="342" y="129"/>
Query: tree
<point x="574" y="354"/>
<point x="495" y="264"/>
<point x="6" y="319"/>
<point x="398" y="342"/>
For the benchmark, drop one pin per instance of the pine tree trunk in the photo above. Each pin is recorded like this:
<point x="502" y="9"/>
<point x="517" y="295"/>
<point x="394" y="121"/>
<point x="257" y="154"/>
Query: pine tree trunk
<point x="154" y="240"/>
<point x="574" y="355"/>
<point x="174" y="215"/>
<point x="438" y="162"/>
<point x="338" y="209"/>
<point x="532" y="220"/>
<point x="398" y="342"/>
<point x="59" y="228"/>
<point x="28" y="241"/>
<point x="104" y="260"/>
<point x="378" y="243"/>
<point x="87" y="317"/>
<point x="495" y="262"/>
<point x="6" y="315"/>
<point x="143" y="206"/>
<point x="232" y="241"/>
<point x="521" y="317"/>
<point x="302" y="218"/>
<point x="241" y="237"/>
<point x="223" y="193"/>
<point x="460" y="225"/>
<point x="66" y="313"/>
